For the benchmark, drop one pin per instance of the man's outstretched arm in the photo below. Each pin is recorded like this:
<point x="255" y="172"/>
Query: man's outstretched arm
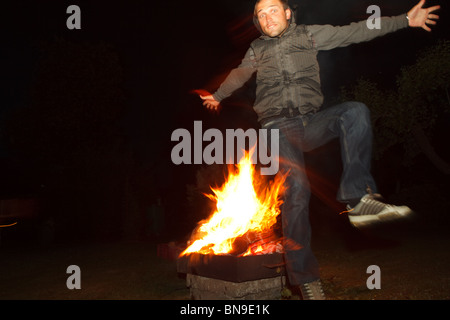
<point x="327" y="37"/>
<point x="236" y="79"/>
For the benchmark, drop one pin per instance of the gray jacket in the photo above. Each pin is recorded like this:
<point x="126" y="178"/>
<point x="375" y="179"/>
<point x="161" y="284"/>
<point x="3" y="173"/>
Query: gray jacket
<point x="287" y="71"/>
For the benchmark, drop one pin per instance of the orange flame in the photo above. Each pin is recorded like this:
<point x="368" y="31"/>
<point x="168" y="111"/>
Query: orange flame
<point x="244" y="205"/>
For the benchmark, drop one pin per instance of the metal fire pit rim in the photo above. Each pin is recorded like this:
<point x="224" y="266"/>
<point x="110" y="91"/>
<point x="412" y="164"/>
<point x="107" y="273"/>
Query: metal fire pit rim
<point x="232" y="268"/>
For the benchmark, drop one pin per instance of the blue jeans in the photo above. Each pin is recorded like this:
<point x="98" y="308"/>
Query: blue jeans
<point x="350" y="122"/>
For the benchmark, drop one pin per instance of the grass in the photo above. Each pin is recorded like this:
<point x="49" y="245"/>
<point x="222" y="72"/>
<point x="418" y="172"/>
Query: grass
<point x="119" y="270"/>
<point x="414" y="261"/>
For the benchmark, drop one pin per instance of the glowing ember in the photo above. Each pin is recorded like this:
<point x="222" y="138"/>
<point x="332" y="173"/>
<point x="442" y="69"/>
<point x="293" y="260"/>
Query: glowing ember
<point x="246" y="211"/>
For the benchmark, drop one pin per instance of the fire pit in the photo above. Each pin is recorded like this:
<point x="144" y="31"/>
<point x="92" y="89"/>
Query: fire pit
<point x="231" y="277"/>
<point x="236" y="253"/>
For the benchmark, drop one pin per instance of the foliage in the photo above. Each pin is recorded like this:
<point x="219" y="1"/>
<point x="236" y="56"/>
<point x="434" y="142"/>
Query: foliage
<point x="421" y="95"/>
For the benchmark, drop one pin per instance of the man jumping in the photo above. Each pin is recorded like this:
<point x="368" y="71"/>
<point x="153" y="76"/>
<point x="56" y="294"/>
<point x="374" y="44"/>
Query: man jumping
<point x="289" y="98"/>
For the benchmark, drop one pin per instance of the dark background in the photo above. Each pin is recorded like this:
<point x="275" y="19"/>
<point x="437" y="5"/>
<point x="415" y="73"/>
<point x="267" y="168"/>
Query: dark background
<point x="87" y="115"/>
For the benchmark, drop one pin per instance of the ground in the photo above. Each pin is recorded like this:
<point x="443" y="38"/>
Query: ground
<point x="414" y="264"/>
<point x="413" y="258"/>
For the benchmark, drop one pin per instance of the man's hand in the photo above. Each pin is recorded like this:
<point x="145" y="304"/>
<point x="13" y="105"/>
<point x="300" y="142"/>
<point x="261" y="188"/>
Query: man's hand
<point x="421" y="17"/>
<point x="209" y="102"/>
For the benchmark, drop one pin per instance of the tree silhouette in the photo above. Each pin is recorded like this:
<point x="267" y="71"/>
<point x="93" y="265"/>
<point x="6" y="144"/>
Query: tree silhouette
<point x="407" y="116"/>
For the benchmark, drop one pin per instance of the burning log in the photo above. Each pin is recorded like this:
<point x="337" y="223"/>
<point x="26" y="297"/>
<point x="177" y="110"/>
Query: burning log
<point x="254" y="243"/>
<point x="251" y="243"/>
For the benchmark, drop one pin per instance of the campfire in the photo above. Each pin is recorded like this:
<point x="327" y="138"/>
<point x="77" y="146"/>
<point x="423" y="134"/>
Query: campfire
<point x="236" y="253"/>
<point x="247" y="207"/>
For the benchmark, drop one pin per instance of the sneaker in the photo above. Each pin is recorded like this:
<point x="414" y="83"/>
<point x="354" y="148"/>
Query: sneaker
<point x="312" y="291"/>
<point x="370" y="210"/>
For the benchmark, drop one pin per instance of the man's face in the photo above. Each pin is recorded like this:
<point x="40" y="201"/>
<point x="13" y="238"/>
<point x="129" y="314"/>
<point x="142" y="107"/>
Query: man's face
<point x="272" y="17"/>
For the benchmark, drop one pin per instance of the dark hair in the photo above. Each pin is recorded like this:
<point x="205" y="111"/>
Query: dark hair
<point x="283" y="2"/>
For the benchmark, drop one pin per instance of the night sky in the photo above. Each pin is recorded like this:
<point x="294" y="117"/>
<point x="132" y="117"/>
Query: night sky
<point x="165" y="50"/>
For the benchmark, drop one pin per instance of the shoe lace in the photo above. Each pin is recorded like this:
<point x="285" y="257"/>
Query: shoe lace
<point x="372" y="206"/>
